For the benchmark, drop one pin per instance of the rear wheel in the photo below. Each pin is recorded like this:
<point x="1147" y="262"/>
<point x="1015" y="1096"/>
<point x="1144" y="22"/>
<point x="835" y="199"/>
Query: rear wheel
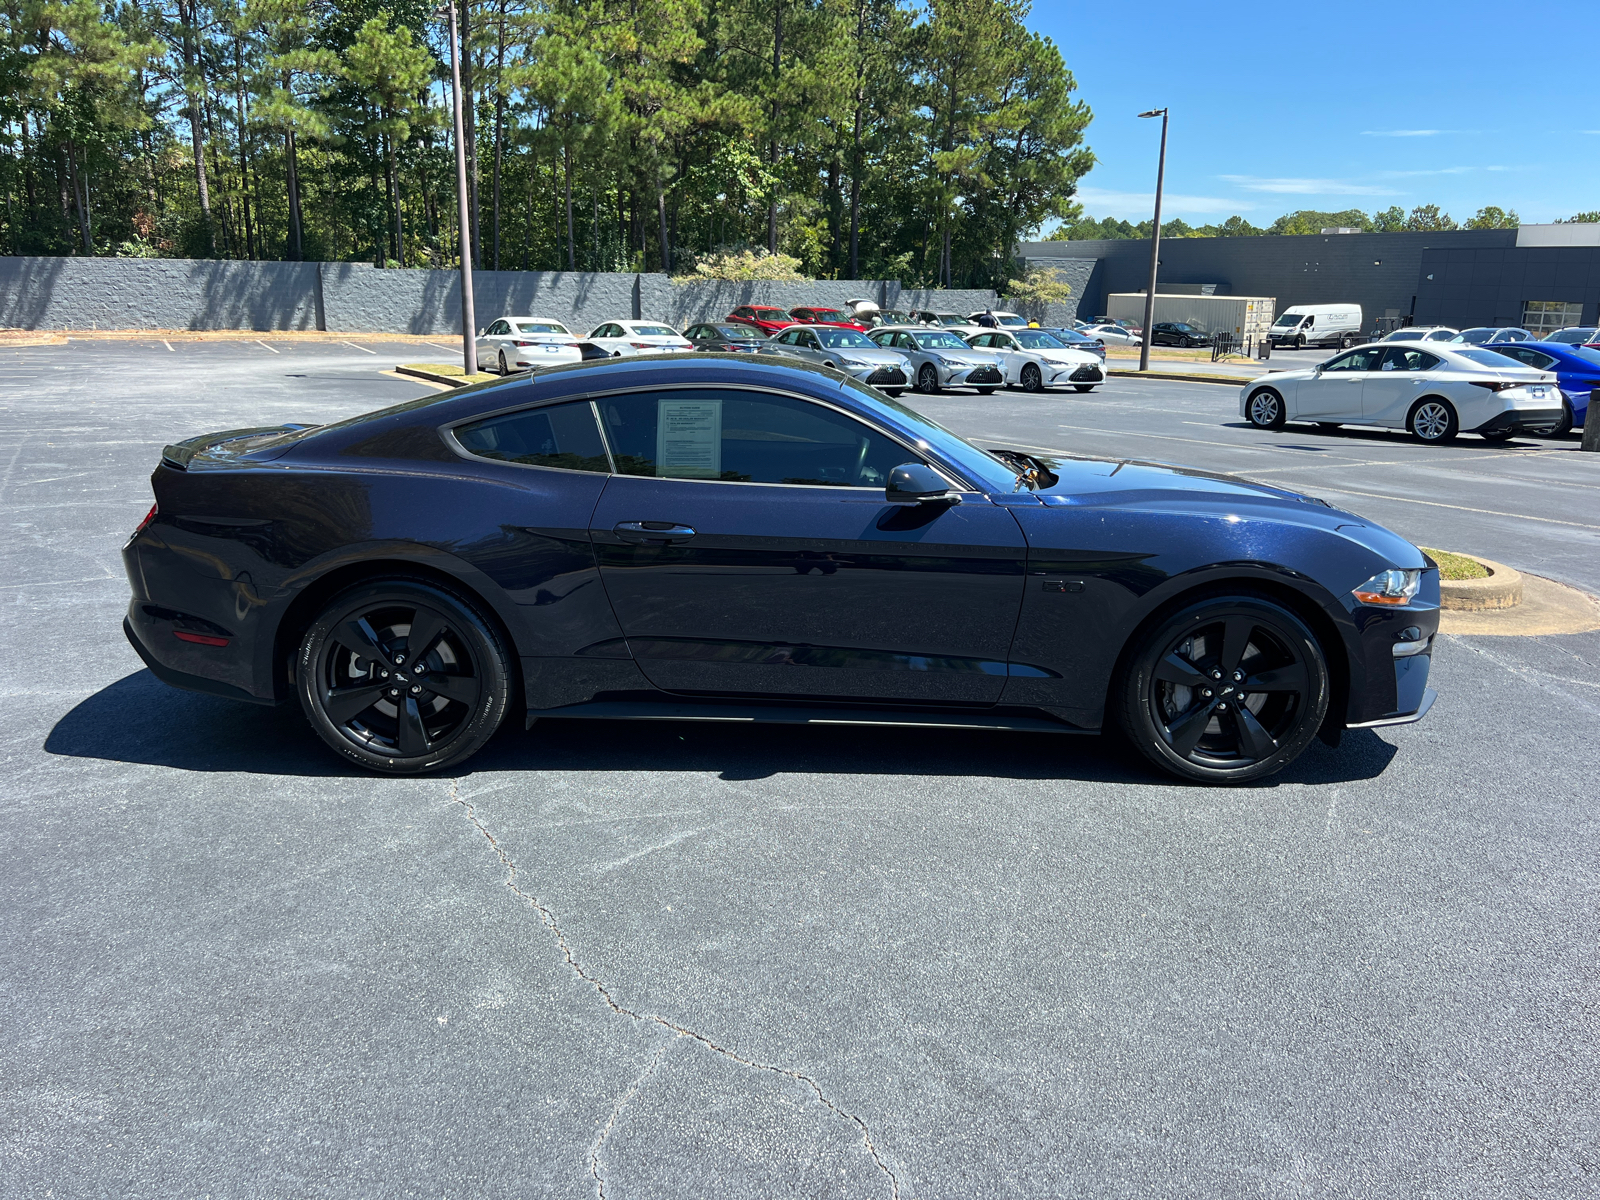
<point x="928" y="380"/>
<point x="1498" y="435"/>
<point x="1032" y="378"/>
<point x="1266" y="410"/>
<point x="1230" y="689"/>
<point x="1433" y="420"/>
<point x="1563" y="426"/>
<point x="503" y="369"/>
<point x="401" y="676"/>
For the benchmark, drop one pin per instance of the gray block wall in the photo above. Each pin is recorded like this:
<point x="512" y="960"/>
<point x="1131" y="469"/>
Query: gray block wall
<point x="145" y="293"/>
<point x="142" y="293"/>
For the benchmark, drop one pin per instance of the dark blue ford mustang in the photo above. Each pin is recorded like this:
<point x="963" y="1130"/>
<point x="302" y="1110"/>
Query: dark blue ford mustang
<point x="716" y="537"/>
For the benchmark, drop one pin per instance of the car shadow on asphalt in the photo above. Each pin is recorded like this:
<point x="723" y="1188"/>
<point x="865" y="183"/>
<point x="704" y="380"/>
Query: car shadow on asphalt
<point x="140" y="720"/>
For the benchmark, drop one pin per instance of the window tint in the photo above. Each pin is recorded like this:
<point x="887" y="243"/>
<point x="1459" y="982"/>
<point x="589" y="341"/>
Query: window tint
<point x="745" y="437"/>
<point x="1484" y="358"/>
<point x="1531" y="358"/>
<point x="1407" y="358"/>
<point x="1365" y="359"/>
<point x="561" y="435"/>
<point x="654" y="331"/>
<point x="743" y="312"/>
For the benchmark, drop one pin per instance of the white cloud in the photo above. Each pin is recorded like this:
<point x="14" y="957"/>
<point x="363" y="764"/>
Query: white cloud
<point x="1404" y="132"/>
<point x="1137" y="206"/>
<point x="1436" y="171"/>
<point x="1306" y="187"/>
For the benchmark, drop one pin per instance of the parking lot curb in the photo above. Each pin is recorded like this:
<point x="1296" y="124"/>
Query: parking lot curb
<point x="1502" y="589"/>
<point x="1547" y="608"/>
<point x="1230" y="380"/>
<point x="447" y="380"/>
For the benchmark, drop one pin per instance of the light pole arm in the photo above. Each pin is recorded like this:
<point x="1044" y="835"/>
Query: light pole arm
<point x="1155" y="252"/>
<point x="469" y="322"/>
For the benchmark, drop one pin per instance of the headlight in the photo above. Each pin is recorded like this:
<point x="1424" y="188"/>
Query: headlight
<point x="1393" y="586"/>
<point x="851" y="363"/>
<point x="940" y="359"/>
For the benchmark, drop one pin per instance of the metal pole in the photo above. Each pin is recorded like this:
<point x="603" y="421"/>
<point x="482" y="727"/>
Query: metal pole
<point x="1155" y="245"/>
<point x="469" y="326"/>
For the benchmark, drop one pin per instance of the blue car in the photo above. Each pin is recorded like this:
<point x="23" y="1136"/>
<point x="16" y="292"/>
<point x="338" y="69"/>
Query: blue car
<point x="1577" y="371"/>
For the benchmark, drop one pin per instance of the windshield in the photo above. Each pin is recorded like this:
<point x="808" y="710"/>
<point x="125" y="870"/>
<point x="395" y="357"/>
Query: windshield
<point x="845" y="339"/>
<point x="1289" y="320"/>
<point x="1477" y="336"/>
<point x="770" y="314"/>
<point x="735" y="332"/>
<point x="953" y="319"/>
<point x="939" y="340"/>
<point x="1038" y="339"/>
<point x="980" y="467"/>
<point x="826" y="314"/>
<point x="541" y="327"/>
<point x="654" y="331"/>
<point x="1010" y="322"/>
<point x="891" y="316"/>
<point x="1488" y="358"/>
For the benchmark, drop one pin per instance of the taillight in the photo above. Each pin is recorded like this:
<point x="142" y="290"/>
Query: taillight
<point x="148" y="517"/>
<point x="1498" y="385"/>
<point x="642" y="345"/>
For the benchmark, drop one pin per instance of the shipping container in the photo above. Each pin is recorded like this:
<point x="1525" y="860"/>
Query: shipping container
<point x="1246" y="318"/>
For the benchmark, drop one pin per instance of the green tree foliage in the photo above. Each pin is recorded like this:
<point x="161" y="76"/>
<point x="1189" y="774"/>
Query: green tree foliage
<point x="1583" y="218"/>
<point x="1490" y="217"/>
<point x="861" y="138"/>
<point x="1424" y="218"/>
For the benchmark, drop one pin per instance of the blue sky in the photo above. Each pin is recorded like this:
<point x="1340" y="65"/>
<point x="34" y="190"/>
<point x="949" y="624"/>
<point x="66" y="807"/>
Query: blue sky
<point x="1280" y="106"/>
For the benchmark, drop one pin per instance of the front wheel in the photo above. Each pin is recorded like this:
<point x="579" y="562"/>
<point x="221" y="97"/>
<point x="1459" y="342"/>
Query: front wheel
<point x="1083" y="387"/>
<point x="1032" y="378"/>
<point x="985" y="391"/>
<point x="503" y="369"/>
<point x="1433" y="421"/>
<point x="894" y="393"/>
<point x="928" y="380"/>
<point x="1228" y="690"/>
<point x="1266" y="410"/>
<point x="401" y="677"/>
<point x="1300" y="342"/>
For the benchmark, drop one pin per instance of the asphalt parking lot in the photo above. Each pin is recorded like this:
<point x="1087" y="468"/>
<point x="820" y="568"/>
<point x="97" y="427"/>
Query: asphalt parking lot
<point x="658" y="961"/>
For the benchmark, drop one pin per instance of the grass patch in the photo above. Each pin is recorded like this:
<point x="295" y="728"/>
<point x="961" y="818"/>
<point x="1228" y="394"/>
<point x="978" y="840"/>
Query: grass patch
<point x="450" y="370"/>
<point x="1456" y="566"/>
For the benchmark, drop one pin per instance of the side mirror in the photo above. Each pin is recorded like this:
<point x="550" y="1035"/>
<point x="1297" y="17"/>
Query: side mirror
<point x="915" y="483"/>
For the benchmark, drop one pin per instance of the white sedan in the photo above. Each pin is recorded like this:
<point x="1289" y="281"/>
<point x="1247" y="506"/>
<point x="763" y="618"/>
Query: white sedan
<point x="1112" y="335"/>
<point x="1035" y="360"/>
<point x="620" y="338"/>
<point x="526" y="343"/>
<point x="1432" y="390"/>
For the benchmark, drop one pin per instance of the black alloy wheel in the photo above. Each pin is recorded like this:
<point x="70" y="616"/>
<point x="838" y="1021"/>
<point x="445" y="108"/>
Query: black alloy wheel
<point x="1032" y="378"/>
<point x="1563" y="426"/>
<point x="1433" y="421"/>
<point x="503" y="370"/>
<point x="401" y="676"/>
<point x="928" y="380"/>
<point x="1266" y="410"/>
<point x="1230" y="689"/>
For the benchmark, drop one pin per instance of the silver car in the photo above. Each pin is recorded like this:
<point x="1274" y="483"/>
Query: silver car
<point x="1034" y="360"/>
<point x="844" y="350"/>
<point x="940" y="359"/>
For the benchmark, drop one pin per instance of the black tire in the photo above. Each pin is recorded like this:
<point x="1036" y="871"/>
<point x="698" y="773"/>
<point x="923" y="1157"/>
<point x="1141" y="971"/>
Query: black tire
<point x="1300" y="341"/>
<point x="1032" y="379"/>
<point x="503" y="369"/>
<point x="894" y="393"/>
<point x="1433" y="420"/>
<point x="928" y="380"/>
<point x="1563" y="426"/>
<point x="1220" y="645"/>
<point x="1083" y="387"/>
<point x="1498" y="435"/>
<point x="1346" y="342"/>
<point x="985" y="391"/>
<point x="1329" y="426"/>
<point x="1266" y="409"/>
<point x="359" y="648"/>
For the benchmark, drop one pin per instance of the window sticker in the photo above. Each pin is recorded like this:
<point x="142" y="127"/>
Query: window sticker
<point x="689" y="439"/>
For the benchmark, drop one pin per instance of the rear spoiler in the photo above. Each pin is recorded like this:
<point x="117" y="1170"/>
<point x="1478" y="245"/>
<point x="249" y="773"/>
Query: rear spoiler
<point x="179" y="455"/>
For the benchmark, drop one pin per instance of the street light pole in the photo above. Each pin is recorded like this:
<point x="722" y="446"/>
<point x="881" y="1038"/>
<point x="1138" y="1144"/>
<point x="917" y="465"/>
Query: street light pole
<point x="469" y="326"/>
<point x="1155" y="243"/>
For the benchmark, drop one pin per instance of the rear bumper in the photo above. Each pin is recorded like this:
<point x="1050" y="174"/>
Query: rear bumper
<point x="1521" y="420"/>
<point x="173" y="677"/>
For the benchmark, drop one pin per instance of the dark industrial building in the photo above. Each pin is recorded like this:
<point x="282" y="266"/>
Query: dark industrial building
<point x="1541" y="277"/>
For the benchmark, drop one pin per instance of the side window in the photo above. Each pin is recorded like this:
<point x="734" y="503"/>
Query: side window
<point x="809" y="341"/>
<point x="1365" y="359"/>
<point x="1408" y="358"/>
<point x="497" y="328"/>
<point x="743" y="312"/>
<point x="745" y="437"/>
<point x="560" y="435"/>
<point x="983" y="341"/>
<point x="1534" y="359"/>
<point x="786" y="338"/>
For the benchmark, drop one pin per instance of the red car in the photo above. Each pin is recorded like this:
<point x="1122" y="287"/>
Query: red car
<point x="825" y="316"/>
<point x="765" y="317"/>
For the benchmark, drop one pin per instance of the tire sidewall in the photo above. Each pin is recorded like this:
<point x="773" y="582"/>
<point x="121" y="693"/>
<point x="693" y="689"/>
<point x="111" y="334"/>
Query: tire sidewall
<point x="927" y="372"/>
<point x="1141" y="728"/>
<point x="1451" y="429"/>
<point x="487" y="647"/>
<point x="1277" y="421"/>
<point x="1032" y="379"/>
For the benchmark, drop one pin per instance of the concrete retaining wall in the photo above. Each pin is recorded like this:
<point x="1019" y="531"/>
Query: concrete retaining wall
<point x="134" y="293"/>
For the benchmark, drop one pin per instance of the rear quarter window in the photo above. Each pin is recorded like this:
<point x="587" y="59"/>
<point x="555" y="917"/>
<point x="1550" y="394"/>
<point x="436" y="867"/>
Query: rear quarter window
<point x="564" y="436"/>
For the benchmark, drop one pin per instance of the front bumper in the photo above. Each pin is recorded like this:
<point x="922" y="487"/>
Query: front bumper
<point x="1521" y="420"/>
<point x="1070" y="374"/>
<point x="1389" y="676"/>
<point x="982" y="375"/>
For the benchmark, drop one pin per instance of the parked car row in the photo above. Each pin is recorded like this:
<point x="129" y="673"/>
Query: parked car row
<point x="985" y="350"/>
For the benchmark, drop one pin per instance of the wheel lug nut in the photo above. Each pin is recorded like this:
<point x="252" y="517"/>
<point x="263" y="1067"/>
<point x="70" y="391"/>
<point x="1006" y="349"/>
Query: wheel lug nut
<point x="1237" y="676"/>
<point x="1216" y="674"/>
<point x="394" y="691"/>
<point x="399" y="658"/>
<point x="1206" y="692"/>
<point x="416" y="689"/>
<point x="1223" y="707"/>
<point x="384" y="674"/>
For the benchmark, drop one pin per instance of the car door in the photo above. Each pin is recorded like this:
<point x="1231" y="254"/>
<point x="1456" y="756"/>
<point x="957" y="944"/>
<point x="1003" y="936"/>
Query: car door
<point x="492" y="339"/>
<point x="1004" y="347"/>
<point x="747" y="548"/>
<point x="1403" y="374"/>
<point x="1334" y="392"/>
<point x="607" y="336"/>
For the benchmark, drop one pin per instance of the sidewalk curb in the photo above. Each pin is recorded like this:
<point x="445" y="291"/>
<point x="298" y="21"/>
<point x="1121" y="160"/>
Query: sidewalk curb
<point x="1230" y="380"/>
<point x="454" y="381"/>
<point x="1503" y="589"/>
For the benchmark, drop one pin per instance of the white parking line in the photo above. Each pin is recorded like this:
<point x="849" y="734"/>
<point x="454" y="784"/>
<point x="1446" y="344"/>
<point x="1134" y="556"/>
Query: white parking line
<point x="1489" y="512"/>
<point x="353" y="346"/>
<point x="168" y="345"/>
<point x="436" y="346"/>
<point x="264" y="346"/>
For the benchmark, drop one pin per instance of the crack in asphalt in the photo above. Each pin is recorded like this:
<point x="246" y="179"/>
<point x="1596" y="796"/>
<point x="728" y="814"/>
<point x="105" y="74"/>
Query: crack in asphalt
<point x="616" y="1112"/>
<point x="682" y="1031"/>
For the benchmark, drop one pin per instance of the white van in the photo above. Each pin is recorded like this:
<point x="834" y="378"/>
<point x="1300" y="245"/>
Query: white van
<point x="1302" y="325"/>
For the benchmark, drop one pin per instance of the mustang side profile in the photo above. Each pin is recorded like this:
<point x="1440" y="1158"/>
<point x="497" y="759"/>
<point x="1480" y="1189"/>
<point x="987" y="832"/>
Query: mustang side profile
<point x="729" y="537"/>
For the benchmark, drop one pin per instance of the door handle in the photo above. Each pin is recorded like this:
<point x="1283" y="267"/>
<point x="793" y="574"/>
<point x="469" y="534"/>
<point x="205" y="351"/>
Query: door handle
<point x="652" y="533"/>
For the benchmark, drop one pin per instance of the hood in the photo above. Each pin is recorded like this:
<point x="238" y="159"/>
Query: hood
<point x="1126" y="483"/>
